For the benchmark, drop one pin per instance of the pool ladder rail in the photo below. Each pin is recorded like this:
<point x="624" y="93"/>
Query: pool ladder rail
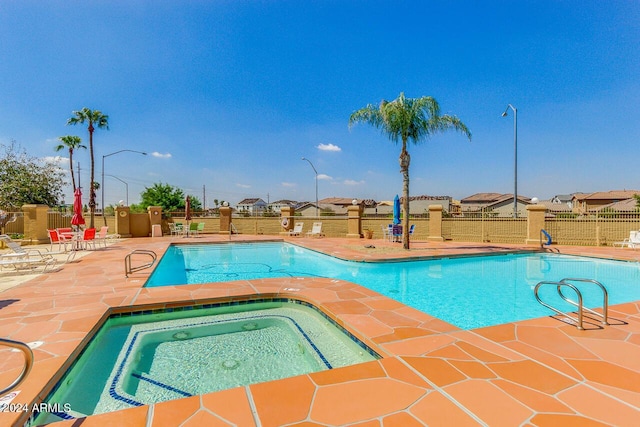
<point x="28" y="362"/>
<point x="565" y="283"/>
<point x="128" y="268"/>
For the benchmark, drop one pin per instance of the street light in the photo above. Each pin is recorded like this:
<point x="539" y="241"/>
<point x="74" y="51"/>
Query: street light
<point x="102" y="183"/>
<point x="515" y="144"/>
<point x="126" y="186"/>
<point x="316" y="172"/>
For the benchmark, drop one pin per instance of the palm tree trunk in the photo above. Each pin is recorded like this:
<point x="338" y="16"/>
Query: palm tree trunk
<point x="92" y="193"/>
<point x="405" y="159"/>
<point x="73" y="177"/>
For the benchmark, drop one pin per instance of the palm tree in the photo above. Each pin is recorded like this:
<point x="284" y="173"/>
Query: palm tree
<point x="403" y="120"/>
<point x="72" y="143"/>
<point x="102" y="121"/>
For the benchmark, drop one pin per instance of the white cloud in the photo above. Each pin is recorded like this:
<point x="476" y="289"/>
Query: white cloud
<point x="353" y="182"/>
<point x="243" y="185"/>
<point x="328" y="147"/>
<point x="59" y="160"/>
<point x="325" y="177"/>
<point x="161" y="156"/>
<point x="288" y="184"/>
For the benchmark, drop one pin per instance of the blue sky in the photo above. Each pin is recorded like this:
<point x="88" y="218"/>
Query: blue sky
<point x="231" y="94"/>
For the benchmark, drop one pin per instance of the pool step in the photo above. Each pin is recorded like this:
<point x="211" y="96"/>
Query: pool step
<point x="565" y="283"/>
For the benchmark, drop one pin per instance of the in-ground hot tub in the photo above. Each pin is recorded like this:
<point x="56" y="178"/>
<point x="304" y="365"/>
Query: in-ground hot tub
<point x="149" y="357"/>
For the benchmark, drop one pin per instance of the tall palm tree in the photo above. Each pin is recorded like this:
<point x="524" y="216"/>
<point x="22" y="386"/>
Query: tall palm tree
<point x="102" y="122"/>
<point x="403" y="120"/>
<point x="72" y="143"/>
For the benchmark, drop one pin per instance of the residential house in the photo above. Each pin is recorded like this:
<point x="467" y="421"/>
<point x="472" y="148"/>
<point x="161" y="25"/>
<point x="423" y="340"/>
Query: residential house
<point x="419" y="205"/>
<point x="584" y="203"/>
<point x="501" y="205"/>
<point x="252" y="207"/>
<point x="277" y="206"/>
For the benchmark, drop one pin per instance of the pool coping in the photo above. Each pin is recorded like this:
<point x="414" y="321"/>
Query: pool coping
<point x="430" y="365"/>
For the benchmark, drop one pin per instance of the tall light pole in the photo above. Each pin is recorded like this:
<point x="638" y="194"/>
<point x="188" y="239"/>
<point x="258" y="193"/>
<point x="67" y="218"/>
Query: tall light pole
<point x="316" y="172"/>
<point x="515" y="156"/>
<point x="102" y="183"/>
<point x="126" y="186"/>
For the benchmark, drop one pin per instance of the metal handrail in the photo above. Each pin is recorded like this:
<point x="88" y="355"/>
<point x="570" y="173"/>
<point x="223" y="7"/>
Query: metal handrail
<point x="232" y="230"/>
<point x="565" y="283"/>
<point x="28" y="358"/>
<point x="605" y="298"/>
<point x="128" y="269"/>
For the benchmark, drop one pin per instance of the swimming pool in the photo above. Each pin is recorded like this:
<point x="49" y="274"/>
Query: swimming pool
<point x="468" y="292"/>
<point x="145" y="358"/>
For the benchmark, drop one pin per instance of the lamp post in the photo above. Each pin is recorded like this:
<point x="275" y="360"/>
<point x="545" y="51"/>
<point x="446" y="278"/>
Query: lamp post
<point x="126" y="186"/>
<point x="515" y="149"/>
<point x="316" y="172"/>
<point x="102" y="183"/>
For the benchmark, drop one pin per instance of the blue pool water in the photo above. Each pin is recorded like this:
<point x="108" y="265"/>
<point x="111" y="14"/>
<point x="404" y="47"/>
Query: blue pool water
<point x="467" y="292"/>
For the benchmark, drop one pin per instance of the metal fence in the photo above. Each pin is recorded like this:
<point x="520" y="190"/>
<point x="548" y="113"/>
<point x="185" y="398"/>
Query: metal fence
<point x="11" y="222"/>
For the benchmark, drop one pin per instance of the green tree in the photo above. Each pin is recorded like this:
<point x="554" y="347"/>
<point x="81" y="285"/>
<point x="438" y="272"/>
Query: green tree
<point x="27" y="180"/>
<point x="169" y="197"/>
<point x="102" y="122"/>
<point x="72" y="143"/>
<point x="406" y="120"/>
<point x="637" y="197"/>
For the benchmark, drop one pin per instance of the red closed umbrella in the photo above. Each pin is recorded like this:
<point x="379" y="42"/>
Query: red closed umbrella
<point x="77" y="218"/>
<point x="187" y="209"/>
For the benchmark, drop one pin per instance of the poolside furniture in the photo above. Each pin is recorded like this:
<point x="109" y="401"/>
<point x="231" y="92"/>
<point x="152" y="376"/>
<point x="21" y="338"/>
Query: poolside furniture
<point x="21" y="258"/>
<point x="200" y="227"/>
<point x="387" y="232"/>
<point x="176" y="228"/>
<point x="101" y="237"/>
<point x="316" y="230"/>
<point x="396" y="233"/>
<point x="413" y="226"/>
<point x="633" y="241"/>
<point x="62" y="241"/>
<point x="297" y="229"/>
<point x="193" y="229"/>
<point x="88" y="239"/>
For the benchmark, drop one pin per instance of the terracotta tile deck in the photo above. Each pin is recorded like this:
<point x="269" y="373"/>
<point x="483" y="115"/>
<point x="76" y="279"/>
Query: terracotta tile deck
<point x="539" y="372"/>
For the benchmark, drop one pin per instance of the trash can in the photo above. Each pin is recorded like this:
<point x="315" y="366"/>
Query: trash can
<point x="156" y="230"/>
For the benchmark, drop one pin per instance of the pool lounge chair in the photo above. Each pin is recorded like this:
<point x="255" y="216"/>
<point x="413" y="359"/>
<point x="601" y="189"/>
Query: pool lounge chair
<point x="20" y="258"/>
<point x="316" y="230"/>
<point x="633" y="241"/>
<point x="297" y="229"/>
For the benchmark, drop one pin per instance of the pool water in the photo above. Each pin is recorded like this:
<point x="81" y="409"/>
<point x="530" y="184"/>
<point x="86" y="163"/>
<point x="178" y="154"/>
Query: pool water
<point x="151" y="358"/>
<point x="468" y="292"/>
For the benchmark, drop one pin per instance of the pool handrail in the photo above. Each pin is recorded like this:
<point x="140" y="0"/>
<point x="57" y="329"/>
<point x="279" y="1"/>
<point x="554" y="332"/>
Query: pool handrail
<point x="28" y="358"/>
<point x="565" y="283"/>
<point x="128" y="269"/>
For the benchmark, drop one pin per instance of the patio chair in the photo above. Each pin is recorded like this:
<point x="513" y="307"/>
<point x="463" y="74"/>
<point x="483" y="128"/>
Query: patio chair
<point x="316" y="230"/>
<point x="101" y="237"/>
<point x="413" y="226"/>
<point x="297" y="229"/>
<point x="62" y="241"/>
<point x="201" y="227"/>
<point x="88" y="239"/>
<point x="176" y="228"/>
<point x="193" y="229"/>
<point x="387" y="232"/>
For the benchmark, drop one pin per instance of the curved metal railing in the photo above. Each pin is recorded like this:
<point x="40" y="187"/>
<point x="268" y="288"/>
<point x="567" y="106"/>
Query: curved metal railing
<point x="28" y="359"/>
<point x="128" y="268"/>
<point x="564" y="283"/>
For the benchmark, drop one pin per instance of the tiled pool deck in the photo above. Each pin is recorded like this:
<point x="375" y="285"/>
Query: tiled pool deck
<point x="539" y="372"/>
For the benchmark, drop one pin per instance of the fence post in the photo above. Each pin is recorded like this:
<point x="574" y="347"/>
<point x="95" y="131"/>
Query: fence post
<point x="123" y="226"/>
<point x="225" y="220"/>
<point x="354" y="223"/>
<point x="535" y="223"/>
<point x="35" y="223"/>
<point x="286" y="219"/>
<point x="435" y="223"/>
